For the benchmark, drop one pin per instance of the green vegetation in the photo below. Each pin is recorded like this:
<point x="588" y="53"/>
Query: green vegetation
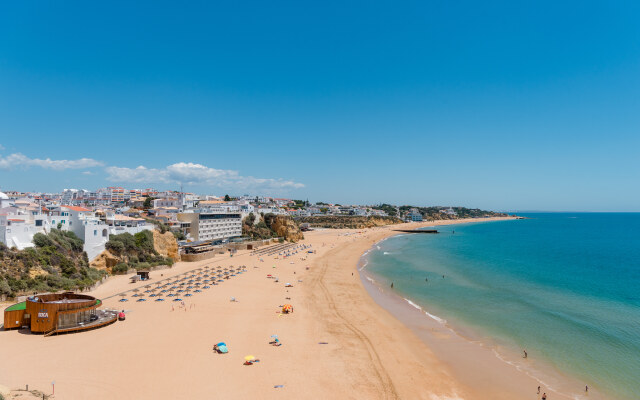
<point x="179" y="235"/>
<point x="347" y="221"/>
<point x="135" y="251"/>
<point x="435" y="213"/>
<point x="271" y="226"/>
<point x="227" y="198"/>
<point x="300" y="204"/>
<point x="57" y="262"/>
<point x="260" y="230"/>
<point x="388" y="208"/>
<point x="162" y="226"/>
<point x="148" y="203"/>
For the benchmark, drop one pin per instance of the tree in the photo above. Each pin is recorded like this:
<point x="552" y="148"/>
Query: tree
<point x="42" y="240"/>
<point x="148" y="203"/>
<point x="250" y="219"/>
<point x="227" y="198"/>
<point x="4" y="287"/>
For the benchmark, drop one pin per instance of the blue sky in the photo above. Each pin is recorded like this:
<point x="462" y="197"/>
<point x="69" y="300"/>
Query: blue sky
<point x="502" y="106"/>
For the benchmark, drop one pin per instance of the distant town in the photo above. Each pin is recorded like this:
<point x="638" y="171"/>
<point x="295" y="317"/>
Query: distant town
<point x="93" y="216"/>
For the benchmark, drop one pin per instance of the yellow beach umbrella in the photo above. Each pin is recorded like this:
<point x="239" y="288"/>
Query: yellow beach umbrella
<point x="249" y="358"/>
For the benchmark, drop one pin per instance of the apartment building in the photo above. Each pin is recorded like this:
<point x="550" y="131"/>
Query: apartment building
<point x="213" y="223"/>
<point x="414" y="216"/>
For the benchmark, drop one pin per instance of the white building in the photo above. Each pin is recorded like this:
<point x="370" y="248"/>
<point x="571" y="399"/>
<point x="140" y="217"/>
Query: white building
<point x="18" y="230"/>
<point x="214" y="223"/>
<point x="168" y="202"/>
<point x="5" y="201"/>
<point x="414" y="215"/>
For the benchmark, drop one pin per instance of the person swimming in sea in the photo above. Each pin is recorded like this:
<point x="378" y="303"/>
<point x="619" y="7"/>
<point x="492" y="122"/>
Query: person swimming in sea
<point x="391" y="285"/>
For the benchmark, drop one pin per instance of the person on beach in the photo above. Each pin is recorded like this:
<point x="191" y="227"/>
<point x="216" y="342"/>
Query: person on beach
<point x="544" y="396"/>
<point x="391" y="285"/>
<point x="525" y="354"/>
<point x="586" y="388"/>
<point x="538" y="390"/>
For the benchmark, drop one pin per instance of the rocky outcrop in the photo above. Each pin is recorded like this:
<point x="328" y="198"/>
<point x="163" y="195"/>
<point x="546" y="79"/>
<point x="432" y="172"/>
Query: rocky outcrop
<point x="166" y="245"/>
<point x="285" y="227"/>
<point x="105" y="261"/>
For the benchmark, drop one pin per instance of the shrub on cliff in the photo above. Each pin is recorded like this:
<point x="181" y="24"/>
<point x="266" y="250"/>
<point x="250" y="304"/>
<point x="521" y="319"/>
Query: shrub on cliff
<point x="57" y="262"/>
<point x="135" y="251"/>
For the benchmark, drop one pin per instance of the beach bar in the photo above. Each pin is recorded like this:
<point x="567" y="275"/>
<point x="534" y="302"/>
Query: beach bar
<point x="57" y="313"/>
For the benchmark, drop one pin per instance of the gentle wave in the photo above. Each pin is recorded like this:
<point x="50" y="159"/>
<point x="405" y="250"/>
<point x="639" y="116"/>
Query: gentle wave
<point x="434" y="317"/>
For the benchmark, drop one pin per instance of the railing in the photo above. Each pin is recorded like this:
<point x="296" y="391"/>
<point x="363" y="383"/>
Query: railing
<point x="50" y="332"/>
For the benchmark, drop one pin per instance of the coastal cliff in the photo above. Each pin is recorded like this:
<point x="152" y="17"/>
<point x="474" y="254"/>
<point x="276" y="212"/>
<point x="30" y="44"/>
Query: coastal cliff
<point x="104" y="261"/>
<point x="143" y="250"/>
<point x="286" y="228"/>
<point x="348" y="222"/>
<point x="166" y="245"/>
<point x="271" y="226"/>
<point x="56" y="262"/>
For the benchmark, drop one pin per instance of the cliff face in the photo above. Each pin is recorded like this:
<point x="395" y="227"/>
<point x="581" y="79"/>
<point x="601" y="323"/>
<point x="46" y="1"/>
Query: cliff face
<point x="105" y="261"/>
<point x="349" y="222"/>
<point x="166" y="245"/>
<point x="285" y="227"/>
<point x="55" y="262"/>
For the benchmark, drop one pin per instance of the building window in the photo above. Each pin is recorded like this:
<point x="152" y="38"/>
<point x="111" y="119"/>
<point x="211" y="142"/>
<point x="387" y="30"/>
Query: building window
<point x="95" y="232"/>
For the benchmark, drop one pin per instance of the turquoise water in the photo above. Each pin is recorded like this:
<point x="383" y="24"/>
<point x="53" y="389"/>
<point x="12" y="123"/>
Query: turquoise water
<point x="564" y="286"/>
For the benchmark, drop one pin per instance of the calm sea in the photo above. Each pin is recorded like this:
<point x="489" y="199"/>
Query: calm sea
<point x="564" y="286"/>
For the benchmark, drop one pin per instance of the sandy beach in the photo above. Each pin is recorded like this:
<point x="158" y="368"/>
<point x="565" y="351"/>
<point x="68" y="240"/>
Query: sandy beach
<point x="338" y="343"/>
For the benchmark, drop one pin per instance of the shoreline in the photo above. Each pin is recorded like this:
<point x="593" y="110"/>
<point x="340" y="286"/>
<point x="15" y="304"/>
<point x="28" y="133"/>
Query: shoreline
<point x="339" y="342"/>
<point x="447" y="338"/>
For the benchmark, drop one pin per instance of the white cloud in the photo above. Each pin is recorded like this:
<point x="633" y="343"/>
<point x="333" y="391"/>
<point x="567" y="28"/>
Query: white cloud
<point x="87" y="173"/>
<point x="196" y="174"/>
<point x="20" y="160"/>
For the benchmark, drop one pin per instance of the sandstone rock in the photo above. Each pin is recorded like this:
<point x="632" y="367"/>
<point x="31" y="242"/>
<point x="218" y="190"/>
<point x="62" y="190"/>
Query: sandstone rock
<point x="285" y="227"/>
<point x="166" y="245"/>
<point x="105" y="261"/>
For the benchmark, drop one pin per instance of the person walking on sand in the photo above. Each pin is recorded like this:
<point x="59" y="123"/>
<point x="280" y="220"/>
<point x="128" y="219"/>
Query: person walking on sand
<point x="391" y="285"/>
<point x="538" y="390"/>
<point x="544" y="396"/>
<point x="586" y="388"/>
<point x="525" y="354"/>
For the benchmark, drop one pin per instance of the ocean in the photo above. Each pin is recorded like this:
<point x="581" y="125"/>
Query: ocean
<point x="563" y="286"/>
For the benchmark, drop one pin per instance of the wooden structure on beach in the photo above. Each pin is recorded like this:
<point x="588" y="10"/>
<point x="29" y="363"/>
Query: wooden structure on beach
<point x="57" y="313"/>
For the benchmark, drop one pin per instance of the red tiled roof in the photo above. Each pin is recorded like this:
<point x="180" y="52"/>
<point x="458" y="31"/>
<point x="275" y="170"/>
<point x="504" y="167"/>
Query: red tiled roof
<point x="75" y="208"/>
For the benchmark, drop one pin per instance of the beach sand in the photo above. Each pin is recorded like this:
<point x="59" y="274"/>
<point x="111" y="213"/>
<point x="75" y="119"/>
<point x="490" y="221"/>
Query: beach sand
<point x="158" y="353"/>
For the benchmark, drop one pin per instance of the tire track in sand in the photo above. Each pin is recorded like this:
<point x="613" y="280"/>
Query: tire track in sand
<point x="388" y="389"/>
